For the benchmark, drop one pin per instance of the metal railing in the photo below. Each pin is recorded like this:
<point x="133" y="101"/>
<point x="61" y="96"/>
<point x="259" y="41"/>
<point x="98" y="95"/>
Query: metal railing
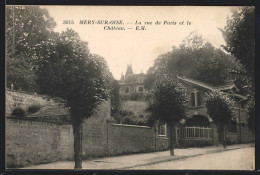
<point x="194" y="133"/>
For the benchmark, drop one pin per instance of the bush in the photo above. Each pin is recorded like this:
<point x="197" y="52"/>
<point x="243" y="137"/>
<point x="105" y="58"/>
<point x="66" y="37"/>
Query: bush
<point x="128" y="117"/>
<point x="18" y="112"/>
<point x="33" y="108"/>
<point x="137" y="96"/>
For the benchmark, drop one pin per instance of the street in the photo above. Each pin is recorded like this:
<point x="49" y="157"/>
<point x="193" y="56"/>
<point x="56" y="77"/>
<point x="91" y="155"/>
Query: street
<point x="238" y="159"/>
<point x="238" y="156"/>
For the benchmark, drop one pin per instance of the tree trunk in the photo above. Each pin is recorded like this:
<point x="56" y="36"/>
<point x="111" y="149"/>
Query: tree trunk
<point x="176" y="137"/>
<point x="77" y="132"/>
<point x="171" y="143"/>
<point x="224" y="137"/>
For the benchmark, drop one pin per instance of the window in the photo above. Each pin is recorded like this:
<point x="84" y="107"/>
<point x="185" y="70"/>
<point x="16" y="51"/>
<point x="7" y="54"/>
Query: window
<point x="141" y="89"/>
<point x="198" y="99"/>
<point x="127" y="90"/>
<point x="192" y="99"/>
<point x="162" y="130"/>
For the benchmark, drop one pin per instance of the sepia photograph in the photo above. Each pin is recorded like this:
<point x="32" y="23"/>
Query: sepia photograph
<point x="130" y="87"/>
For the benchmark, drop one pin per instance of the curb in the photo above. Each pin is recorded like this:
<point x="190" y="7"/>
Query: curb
<point x="183" y="157"/>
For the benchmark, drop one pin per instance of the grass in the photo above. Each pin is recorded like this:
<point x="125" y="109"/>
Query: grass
<point x="137" y="107"/>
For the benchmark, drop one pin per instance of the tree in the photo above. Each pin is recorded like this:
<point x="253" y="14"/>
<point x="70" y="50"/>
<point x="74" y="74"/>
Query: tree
<point x="194" y="58"/>
<point x="26" y="27"/>
<point x="213" y="66"/>
<point x="168" y="103"/>
<point x="220" y="109"/>
<point x="193" y="41"/>
<point x="115" y="98"/>
<point x="239" y="34"/>
<point x="20" y="74"/>
<point x="67" y="70"/>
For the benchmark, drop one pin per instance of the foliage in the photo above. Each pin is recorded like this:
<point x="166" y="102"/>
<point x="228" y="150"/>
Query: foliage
<point x="20" y="74"/>
<point x="130" y="118"/>
<point x="150" y="79"/>
<point x="193" y="41"/>
<point x="168" y="100"/>
<point x="137" y="96"/>
<point x="32" y="25"/>
<point x="195" y="58"/>
<point x="27" y="26"/>
<point x="105" y="71"/>
<point x="67" y="70"/>
<point x="132" y="112"/>
<point x="33" y="108"/>
<point x="115" y="97"/>
<point x="213" y="66"/>
<point x="18" y="112"/>
<point x="168" y="103"/>
<point x="220" y="109"/>
<point x="239" y="34"/>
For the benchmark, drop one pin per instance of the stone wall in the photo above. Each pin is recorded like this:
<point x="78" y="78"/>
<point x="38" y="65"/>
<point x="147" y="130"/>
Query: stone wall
<point x="129" y="139"/>
<point x="94" y="141"/>
<point x="162" y="143"/>
<point x="31" y="141"/>
<point x="232" y="138"/>
<point x="34" y="142"/>
<point x="247" y="135"/>
<point x="195" y="143"/>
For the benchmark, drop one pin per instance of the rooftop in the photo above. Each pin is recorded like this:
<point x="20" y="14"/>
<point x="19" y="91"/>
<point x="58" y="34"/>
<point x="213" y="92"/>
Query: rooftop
<point x="228" y="86"/>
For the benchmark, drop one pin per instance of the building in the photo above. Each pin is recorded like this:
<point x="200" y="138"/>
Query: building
<point x="131" y="83"/>
<point x="197" y="91"/>
<point x="199" y="127"/>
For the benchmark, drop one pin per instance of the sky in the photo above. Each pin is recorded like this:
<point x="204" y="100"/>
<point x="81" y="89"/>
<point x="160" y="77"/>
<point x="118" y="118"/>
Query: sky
<point x="140" y="47"/>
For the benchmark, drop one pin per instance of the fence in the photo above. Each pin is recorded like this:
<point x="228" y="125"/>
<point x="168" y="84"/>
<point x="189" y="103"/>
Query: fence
<point x="200" y="133"/>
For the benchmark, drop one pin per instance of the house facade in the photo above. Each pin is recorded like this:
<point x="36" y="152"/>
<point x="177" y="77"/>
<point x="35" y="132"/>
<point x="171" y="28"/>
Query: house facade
<point x="131" y="84"/>
<point x="199" y="128"/>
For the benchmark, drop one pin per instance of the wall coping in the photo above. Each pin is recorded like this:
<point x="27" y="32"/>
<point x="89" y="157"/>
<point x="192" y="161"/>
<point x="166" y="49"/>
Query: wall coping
<point x="134" y="126"/>
<point x="37" y="119"/>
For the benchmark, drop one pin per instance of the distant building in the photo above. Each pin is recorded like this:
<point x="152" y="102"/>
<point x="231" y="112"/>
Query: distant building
<point x="131" y="83"/>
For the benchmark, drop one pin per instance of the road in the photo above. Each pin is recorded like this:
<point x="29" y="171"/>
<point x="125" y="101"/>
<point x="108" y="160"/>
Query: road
<point x="238" y="159"/>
